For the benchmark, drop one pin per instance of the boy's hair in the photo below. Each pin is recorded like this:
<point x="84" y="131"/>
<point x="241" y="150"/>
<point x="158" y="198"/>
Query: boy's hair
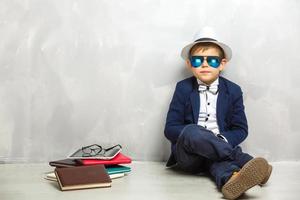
<point x="206" y="45"/>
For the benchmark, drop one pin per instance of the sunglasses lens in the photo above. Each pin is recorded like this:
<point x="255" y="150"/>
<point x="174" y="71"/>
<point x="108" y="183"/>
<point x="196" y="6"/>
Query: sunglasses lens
<point x="196" y="61"/>
<point x="213" y="61"/>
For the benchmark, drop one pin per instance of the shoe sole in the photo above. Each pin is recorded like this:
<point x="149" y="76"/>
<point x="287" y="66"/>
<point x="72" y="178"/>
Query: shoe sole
<point x="250" y="175"/>
<point x="270" y="169"/>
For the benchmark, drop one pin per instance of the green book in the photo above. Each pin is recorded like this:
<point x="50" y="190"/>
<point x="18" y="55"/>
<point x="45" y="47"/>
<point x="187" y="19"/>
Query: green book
<point x="115" y="169"/>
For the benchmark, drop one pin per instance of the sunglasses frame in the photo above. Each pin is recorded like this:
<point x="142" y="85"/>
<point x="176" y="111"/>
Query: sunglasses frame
<point x="207" y="58"/>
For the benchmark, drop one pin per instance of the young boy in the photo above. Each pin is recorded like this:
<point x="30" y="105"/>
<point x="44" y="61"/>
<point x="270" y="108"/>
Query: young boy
<point x="206" y="121"/>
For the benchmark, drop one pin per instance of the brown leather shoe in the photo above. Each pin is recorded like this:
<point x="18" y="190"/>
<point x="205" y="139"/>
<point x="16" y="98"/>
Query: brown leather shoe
<point x="253" y="173"/>
<point x="265" y="180"/>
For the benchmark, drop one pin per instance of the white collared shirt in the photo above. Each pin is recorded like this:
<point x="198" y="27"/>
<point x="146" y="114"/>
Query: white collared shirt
<point x="208" y="109"/>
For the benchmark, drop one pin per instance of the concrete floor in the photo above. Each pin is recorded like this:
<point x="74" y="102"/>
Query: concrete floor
<point x="148" y="180"/>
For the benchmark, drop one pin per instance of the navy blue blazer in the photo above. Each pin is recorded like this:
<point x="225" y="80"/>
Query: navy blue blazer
<point x="185" y="105"/>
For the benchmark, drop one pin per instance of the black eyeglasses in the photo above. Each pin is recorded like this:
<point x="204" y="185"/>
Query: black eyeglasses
<point x="95" y="149"/>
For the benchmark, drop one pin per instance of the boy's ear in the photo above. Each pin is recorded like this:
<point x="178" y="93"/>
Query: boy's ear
<point x="188" y="63"/>
<point x="223" y="63"/>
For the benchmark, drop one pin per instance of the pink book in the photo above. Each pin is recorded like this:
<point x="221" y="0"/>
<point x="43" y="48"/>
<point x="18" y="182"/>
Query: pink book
<point x="118" y="159"/>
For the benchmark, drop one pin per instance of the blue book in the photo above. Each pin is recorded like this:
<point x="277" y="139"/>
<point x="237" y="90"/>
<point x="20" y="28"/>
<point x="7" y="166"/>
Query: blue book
<point x="116" y="169"/>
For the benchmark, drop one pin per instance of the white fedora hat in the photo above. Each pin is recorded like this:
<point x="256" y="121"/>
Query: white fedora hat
<point x="206" y="34"/>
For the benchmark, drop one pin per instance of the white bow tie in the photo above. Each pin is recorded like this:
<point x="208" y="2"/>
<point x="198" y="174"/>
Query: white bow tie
<point x="211" y="88"/>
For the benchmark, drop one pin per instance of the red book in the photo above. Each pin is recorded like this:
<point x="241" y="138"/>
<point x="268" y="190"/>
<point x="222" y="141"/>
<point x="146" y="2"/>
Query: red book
<point x="118" y="159"/>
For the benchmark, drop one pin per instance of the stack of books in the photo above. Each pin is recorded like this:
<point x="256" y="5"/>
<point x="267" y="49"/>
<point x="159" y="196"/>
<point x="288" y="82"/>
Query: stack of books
<point x="92" y="172"/>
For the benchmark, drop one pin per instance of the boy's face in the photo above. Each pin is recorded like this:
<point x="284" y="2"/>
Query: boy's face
<point x="206" y="73"/>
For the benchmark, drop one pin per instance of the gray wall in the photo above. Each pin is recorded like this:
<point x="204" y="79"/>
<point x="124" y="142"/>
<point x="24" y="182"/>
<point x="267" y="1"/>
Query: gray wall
<point x="77" y="72"/>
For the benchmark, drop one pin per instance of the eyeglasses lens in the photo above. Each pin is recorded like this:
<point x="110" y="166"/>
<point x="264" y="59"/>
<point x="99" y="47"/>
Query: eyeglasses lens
<point x="213" y="61"/>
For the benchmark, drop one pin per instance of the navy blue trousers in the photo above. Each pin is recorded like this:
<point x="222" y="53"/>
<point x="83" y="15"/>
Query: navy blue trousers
<point x="199" y="150"/>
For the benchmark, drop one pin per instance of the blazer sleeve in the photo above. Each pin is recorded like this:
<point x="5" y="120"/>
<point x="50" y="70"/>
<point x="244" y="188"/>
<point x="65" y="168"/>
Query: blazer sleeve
<point x="175" y="116"/>
<point x="238" y="128"/>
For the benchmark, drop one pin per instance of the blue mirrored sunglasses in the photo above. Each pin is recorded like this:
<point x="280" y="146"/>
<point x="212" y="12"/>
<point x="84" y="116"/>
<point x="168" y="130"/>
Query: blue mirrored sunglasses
<point x="213" y="61"/>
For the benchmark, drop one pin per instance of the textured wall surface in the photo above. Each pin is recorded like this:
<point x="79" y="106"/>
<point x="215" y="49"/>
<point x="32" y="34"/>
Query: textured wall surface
<point x="77" y="72"/>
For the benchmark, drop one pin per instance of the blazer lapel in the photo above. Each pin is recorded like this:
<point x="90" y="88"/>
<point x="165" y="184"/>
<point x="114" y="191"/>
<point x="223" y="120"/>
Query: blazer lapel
<point x="195" y="101"/>
<point x="222" y="102"/>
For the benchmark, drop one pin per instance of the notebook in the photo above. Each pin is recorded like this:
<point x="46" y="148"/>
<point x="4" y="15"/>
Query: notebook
<point x="64" y="163"/>
<point x="108" y="154"/>
<point x="51" y="176"/>
<point x="118" y="159"/>
<point x="115" y="169"/>
<point x="114" y="176"/>
<point x="82" y="177"/>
